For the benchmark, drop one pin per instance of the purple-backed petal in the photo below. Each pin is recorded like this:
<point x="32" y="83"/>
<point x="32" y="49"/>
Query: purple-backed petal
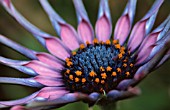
<point x="50" y="60"/>
<point x="65" y="99"/>
<point x="56" y="47"/>
<point x="149" y="42"/>
<point x="66" y="31"/>
<point x="18" y="65"/>
<point x="48" y="92"/>
<point x="49" y="81"/>
<point x="85" y="29"/>
<point x="19" y="101"/>
<point x="27" y="52"/>
<point x="40" y="35"/>
<point x="123" y="85"/>
<point x="103" y="27"/>
<point x="18" y="107"/>
<point x="124" y="24"/>
<point x="143" y="27"/>
<point x="163" y="60"/>
<point x="115" y="95"/>
<point x="22" y="81"/>
<point x="163" y="47"/>
<point x="43" y="69"/>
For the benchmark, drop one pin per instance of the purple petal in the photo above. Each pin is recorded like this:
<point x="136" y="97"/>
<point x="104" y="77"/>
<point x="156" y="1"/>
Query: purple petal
<point x="27" y="52"/>
<point x="123" y="85"/>
<point x="19" y="101"/>
<point x="40" y="35"/>
<point x="50" y="60"/>
<point x="18" y="65"/>
<point x="85" y="30"/>
<point x="66" y="31"/>
<point x="43" y="69"/>
<point x="19" y="108"/>
<point x="149" y="42"/>
<point x="23" y="81"/>
<point x="124" y="23"/>
<point x="65" y="99"/>
<point x="115" y="95"/>
<point x="56" y="47"/>
<point x="103" y="26"/>
<point x="49" y="92"/>
<point x="163" y="47"/>
<point x="163" y="60"/>
<point x="143" y="27"/>
<point x="49" y="81"/>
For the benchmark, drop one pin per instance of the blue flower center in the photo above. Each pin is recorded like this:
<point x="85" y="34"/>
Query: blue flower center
<point x="98" y="67"/>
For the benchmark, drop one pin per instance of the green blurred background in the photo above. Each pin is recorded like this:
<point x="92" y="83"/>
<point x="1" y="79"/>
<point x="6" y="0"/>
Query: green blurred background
<point x="155" y="88"/>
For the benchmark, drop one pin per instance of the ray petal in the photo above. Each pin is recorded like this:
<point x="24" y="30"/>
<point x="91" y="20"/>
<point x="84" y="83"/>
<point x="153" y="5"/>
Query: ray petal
<point x="27" y="52"/>
<point x="68" y="34"/>
<point x="43" y="37"/>
<point x="143" y="27"/>
<point x="163" y="46"/>
<point x="22" y="81"/>
<point x="17" y="65"/>
<point x="103" y="27"/>
<point x="149" y="42"/>
<point x="124" y="23"/>
<point x="85" y="29"/>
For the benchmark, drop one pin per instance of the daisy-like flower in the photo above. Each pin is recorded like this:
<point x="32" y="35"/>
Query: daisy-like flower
<point x="86" y="65"/>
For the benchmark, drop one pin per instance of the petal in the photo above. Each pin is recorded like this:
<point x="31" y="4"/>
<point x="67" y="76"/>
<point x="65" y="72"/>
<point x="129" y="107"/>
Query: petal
<point x="40" y="35"/>
<point x="149" y="42"/>
<point x="43" y="69"/>
<point x="22" y="81"/>
<point x="163" y="47"/>
<point x="56" y="47"/>
<point x="66" y="31"/>
<point x="48" y="92"/>
<point x="65" y="99"/>
<point x="18" y="65"/>
<point x="163" y="60"/>
<point x="49" y="81"/>
<point x="19" y="101"/>
<point x="103" y="27"/>
<point x="143" y="27"/>
<point x="116" y="95"/>
<point x="85" y="30"/>
<point x="19" y="108"/>
<point x="23" y="50"/>
<point x="50" y="60"/>
<point x="124" y="24"/>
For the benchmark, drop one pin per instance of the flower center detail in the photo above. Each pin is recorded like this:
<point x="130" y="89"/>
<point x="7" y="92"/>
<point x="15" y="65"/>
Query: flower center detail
<point x="98" y="67"/>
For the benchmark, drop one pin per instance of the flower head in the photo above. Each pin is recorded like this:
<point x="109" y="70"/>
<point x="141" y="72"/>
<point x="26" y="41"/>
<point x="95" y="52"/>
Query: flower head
<point x="81" y="65"/>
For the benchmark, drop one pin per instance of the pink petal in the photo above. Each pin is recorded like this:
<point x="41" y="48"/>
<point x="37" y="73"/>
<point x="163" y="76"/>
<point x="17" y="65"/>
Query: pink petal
<point x="137" y="35"/>
<point x="56" y="48"/>
<point x="146" y="47"/>
<point x="122" y="29"/>
<point x="85" y="31"/>
<point x="50" y="60"/>
<point x="48" y="92"/>
<point x="18" y="107"/>
<point x="69" y="36"/>
<point x="103" y="28"/>
<point x="42" y="69"/>
<point x="48" y="81"/>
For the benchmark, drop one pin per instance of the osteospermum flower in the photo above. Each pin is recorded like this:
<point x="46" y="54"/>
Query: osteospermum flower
<point x="87" y="65"/>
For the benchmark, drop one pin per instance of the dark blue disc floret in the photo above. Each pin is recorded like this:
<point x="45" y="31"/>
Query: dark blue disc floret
<point x="98" y="67"/>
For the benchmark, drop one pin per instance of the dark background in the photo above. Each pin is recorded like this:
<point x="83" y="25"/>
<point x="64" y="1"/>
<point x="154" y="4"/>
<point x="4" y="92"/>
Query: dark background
<point x="155" y="88"/>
